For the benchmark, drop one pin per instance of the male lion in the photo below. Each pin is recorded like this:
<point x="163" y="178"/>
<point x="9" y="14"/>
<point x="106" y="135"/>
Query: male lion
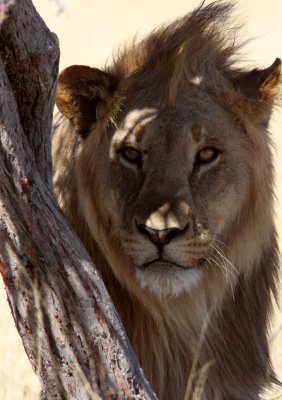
<point x="163" y="167"/>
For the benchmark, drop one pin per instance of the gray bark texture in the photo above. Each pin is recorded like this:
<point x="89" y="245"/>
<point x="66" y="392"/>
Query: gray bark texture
<point x="68" y="325"/>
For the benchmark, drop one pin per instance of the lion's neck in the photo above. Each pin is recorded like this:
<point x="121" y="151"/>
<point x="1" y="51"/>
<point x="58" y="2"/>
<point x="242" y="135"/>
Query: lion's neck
<point x="177" y="334"/>
<point x="163" y="348"/>
<point x="164" y="333"/>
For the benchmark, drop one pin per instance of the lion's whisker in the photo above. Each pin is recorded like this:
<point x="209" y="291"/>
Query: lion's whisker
<point x="218" y="250"/>
<point x="225" y="271"/>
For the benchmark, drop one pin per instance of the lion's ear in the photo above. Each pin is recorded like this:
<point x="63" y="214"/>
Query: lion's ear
<point x="257" y="90"/>
<point x="80" y="90"/>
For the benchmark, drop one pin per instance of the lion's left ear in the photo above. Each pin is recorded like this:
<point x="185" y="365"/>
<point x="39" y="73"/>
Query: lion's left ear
<point x="80" y="91"/>
<point x="257" y="90"/>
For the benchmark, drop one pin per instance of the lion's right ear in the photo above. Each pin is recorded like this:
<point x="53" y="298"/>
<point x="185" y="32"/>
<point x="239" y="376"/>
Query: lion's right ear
<point x="256" y="91"/>
<point x="80" y="90"/>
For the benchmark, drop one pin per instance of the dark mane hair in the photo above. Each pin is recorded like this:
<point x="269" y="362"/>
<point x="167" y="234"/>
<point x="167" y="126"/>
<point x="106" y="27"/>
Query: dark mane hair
<point x="194" y="48"/>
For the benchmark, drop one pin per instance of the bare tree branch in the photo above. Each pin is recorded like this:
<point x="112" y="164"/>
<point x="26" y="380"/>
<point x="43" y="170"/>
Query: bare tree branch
<point x="82" y="352"/>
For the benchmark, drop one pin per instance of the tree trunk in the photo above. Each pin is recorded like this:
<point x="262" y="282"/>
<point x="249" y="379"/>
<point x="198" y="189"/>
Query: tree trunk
<point x="69" y="327"/>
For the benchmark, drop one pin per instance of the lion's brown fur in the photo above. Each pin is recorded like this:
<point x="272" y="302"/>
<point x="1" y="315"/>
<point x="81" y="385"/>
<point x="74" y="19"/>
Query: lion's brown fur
<point x="218" y="326"/>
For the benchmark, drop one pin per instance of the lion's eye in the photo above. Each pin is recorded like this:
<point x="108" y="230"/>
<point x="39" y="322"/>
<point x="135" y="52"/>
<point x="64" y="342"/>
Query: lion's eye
<point x="131" y="155"/>
<point x="207" y="155"/>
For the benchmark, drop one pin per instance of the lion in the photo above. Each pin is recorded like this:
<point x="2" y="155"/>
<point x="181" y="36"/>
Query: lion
<point x="163" y="167"/>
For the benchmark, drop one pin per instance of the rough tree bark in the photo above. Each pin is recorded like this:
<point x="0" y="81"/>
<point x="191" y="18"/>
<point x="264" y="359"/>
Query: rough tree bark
<point x="68" y="325"/>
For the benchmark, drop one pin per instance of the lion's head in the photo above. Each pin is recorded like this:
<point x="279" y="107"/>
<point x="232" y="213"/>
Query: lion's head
<point x="165" y="163"/>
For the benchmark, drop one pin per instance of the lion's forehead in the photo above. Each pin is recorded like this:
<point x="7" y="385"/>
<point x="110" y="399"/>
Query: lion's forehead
<point x="139" y="117"/>
<point x="177" y="129"/>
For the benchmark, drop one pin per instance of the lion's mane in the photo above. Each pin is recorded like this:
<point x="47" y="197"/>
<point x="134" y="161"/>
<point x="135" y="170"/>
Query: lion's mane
<point x="214" y="334"/>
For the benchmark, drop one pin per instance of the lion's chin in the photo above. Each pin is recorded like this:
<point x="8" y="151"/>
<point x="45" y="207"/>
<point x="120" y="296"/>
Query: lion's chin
<point x="165" y="279"/>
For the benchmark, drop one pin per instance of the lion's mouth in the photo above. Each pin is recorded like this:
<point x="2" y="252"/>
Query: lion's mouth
<point x="164" y="263"/>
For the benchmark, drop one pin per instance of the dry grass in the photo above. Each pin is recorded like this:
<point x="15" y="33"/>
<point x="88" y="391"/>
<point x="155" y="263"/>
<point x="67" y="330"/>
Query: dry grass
<point x="17" y="380"/>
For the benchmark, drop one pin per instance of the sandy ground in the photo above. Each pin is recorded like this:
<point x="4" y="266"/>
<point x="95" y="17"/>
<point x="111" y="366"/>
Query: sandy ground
<point x="89" y="30"/>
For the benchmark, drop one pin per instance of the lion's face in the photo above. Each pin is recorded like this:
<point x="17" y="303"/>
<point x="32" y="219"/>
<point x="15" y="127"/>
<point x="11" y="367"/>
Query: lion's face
<point x="169" y="164"/>
<point x="172" y="184"/>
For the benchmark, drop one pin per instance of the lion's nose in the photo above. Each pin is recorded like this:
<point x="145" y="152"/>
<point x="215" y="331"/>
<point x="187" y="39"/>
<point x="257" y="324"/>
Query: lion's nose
<point x="160" y="237"/>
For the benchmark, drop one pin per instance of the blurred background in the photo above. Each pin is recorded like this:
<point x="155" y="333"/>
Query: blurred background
<point x="89" y="31"/>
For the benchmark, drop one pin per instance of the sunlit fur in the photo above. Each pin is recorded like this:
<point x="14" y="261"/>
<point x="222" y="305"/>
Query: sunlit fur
<point x="203" y="312"/>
